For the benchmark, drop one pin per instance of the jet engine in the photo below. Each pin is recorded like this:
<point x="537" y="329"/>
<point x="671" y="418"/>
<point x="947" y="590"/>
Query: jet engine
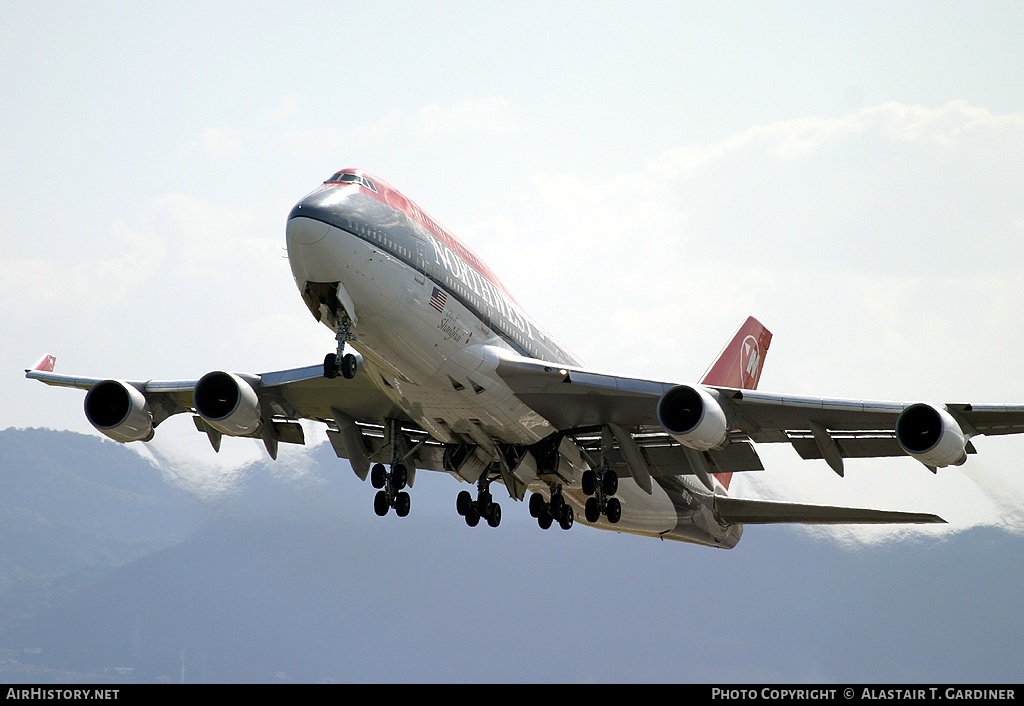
<point x="931" y="435"/>
<point x="227" y="403"/>
<point x="119" y="411"/>
<point x="693" y="417"/>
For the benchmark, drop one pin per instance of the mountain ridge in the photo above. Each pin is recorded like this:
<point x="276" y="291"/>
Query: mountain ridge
<point x="290" y="582"/>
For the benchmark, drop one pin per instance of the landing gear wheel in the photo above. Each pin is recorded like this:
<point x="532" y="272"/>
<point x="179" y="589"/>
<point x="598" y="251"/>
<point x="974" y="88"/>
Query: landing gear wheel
<point x="378" y="476"/>
<point x="463" y="501"/>
<point x="402" y="503"/>
<point x="545" y="519"/>
<point x="565" y="521"/>
<point x="331" y="366"/>
<point x="472" y="516"/>
<point x="494" y="515"/>
<point x="592" y="511"/>
<point x="348" y="366"/>
<point x="557" y="505"/>
<point x="610" y="483"/>
<point x="484" y="502"/>
<point x="589" y="482"/>
<point x="613" y="510"/>
<point x="380" y="503"/>
<point x="536" y="505"/>
<point x="399" y="476"/>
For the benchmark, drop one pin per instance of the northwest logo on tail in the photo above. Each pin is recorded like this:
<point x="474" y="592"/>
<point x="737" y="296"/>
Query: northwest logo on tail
<point x="750" y="361"/>
<point x="739" y="364"/>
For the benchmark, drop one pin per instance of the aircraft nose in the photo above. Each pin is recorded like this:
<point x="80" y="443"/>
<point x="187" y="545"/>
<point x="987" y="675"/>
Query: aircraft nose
<point x="311" y="218"/>
<point x="302" y="230"/>
<point x="313" y="234"/>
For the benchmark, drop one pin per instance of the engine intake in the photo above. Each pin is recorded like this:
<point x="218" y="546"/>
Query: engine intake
<point x="227" y="403"/>
<point x="693" y="417"/>
<point x="119" y="411"/>
<point x="931" y="435"/>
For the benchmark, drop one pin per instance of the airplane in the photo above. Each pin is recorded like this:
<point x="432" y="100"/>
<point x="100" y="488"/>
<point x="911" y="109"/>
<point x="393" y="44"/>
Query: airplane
<point x="437" y="367"/>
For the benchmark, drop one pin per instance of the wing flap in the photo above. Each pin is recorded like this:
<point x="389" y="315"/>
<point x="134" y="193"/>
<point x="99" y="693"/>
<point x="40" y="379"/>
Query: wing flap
<point x="366" y="444"/>
<point x="875" y="446"/>
<point x="669" y="459"/>
<point x="991" y="418"/>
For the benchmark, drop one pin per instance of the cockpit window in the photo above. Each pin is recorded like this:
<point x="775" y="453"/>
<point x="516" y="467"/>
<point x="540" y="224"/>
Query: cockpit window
<point x="350" y="178"/>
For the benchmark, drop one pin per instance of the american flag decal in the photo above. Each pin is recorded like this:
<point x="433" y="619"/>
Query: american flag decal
<point x="438" y="299"/>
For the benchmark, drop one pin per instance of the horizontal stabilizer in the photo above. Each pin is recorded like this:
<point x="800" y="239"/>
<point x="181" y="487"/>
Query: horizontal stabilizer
<point x="763" y="512"/>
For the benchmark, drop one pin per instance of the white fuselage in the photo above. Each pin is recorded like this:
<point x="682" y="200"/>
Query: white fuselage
<point x="431" y="322"/>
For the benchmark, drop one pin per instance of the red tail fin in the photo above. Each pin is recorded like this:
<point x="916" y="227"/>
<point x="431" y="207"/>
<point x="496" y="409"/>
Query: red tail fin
<point x="739" y="364"/>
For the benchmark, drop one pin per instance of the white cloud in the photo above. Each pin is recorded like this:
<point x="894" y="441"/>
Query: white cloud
<point x="204" y="237"/>
<point x="285" y="110"/>
<point x="185" y="280"/>
<point x="799" y="138"/>
<point x="228" y="142"/>
<point x="49" y="285"/>
<point x="494" y="116"/>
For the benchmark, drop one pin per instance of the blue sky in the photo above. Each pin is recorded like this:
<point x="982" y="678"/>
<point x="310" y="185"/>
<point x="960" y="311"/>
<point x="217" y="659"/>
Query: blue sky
<point x="641" y="176"/>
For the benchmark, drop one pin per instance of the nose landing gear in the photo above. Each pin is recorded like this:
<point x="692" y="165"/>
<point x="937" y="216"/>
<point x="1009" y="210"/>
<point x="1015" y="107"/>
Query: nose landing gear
<point x="341" y="362"/>
<point x="346" y="365"/>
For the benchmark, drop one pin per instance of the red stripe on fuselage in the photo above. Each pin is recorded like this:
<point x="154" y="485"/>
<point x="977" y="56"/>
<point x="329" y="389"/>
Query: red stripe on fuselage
<point x="393" y="198"/>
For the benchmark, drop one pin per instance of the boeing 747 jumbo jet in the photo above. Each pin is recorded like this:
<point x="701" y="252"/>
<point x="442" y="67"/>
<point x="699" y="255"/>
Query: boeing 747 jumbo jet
<point x="438" y="368"/>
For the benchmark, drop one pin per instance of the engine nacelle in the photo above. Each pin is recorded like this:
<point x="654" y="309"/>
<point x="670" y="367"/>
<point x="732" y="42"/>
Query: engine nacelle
<point x="227" y="403"/>
<point x="119" y="411"/>
<point x="931" y="435"/>
<point x="693" y="417"/>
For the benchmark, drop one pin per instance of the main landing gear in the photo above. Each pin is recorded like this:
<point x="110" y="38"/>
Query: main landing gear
<point x="554" y="510"/>
<point x="483" y="507"/>
<point x="601" y="485"/>
<point x="391" y="484"/>
<point x="341" y="362"/>
<point x="390" y="493"/>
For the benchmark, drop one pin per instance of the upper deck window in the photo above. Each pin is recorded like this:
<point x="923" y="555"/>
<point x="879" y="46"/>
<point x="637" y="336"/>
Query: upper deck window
<point x="350" y="178"/>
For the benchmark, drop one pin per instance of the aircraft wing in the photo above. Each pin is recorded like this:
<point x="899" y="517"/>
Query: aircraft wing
<point x="298" y="393"/>
<point x="817" y="427"/>
<point x="354" y="410"/>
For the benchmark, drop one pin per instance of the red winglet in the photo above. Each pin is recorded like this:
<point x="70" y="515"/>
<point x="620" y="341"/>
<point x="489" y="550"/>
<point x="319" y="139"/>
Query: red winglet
<point x="45" y="363"/>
